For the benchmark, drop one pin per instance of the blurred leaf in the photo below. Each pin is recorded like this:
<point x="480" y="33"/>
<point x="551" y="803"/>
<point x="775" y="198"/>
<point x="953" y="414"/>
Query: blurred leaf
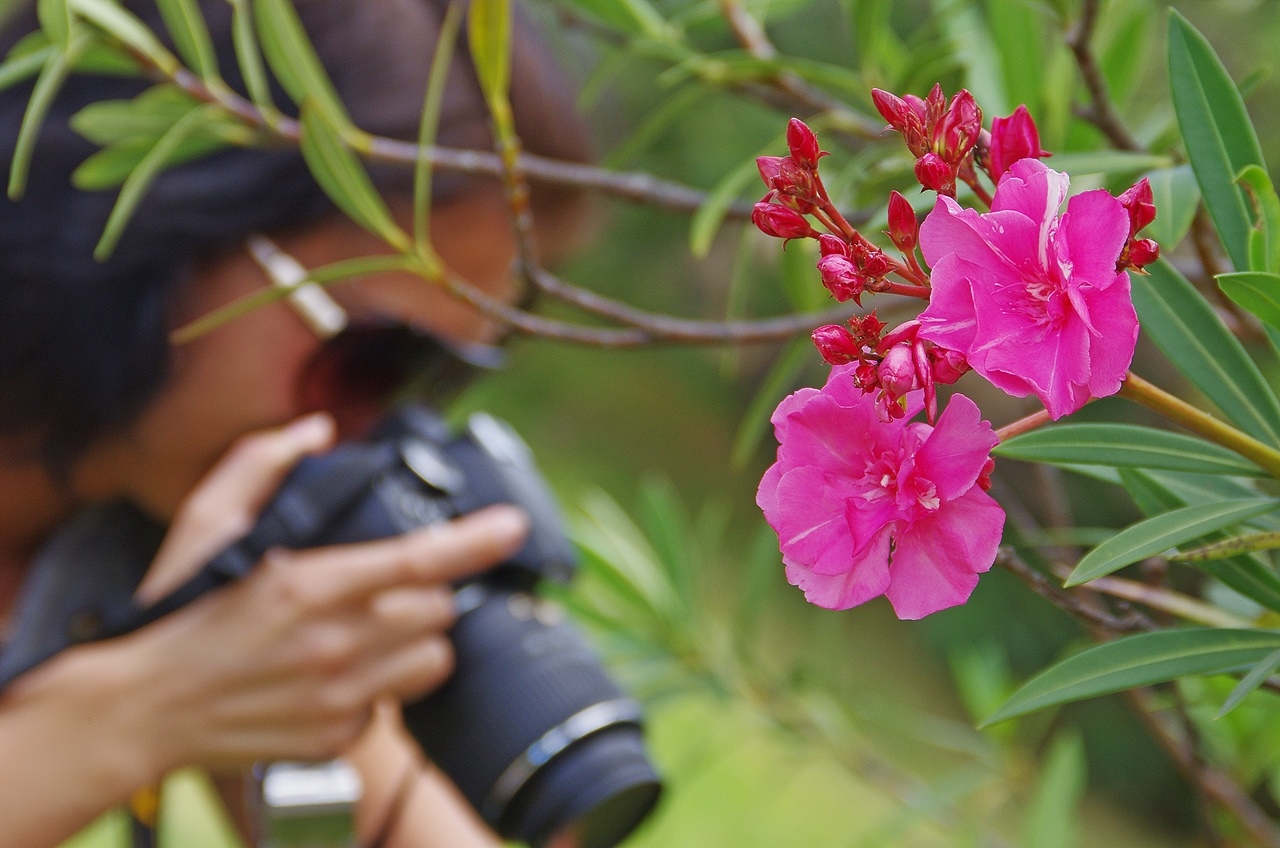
<point x="1121" y="47"/>
<point x="1125" y="445"/>
<point x="112" y="165"/>
<point x="344" y="179"/>
<point x="16" y="69"/>
<point x="1251" y="682"/>
<point x="149" y="115"/>
<point x="1140" y="660"/>
<point x="1106" y="162"/>
<point x="972" y="43"/>
<point x="55" y="20"/>
<point x="1018" y="32"/>
<point x="1161" y="532"/>
<point x="433" y="101"/>
<point x="776" y="384"/>
<point x="1177" y="196"/>
<point x="190" y="35"/>
<point x="634" y="17"/>
<point x="1183" y="324"/>
<point x="669" y="111"/>
<point x="1264" y="238"/>
<point x="294" y="61"/>
<point x="1256" y="292"/>
<point x="1054" y="810"/>
<point x="710" y="215"/>
<point x="983" y="679"/>
<point x="669" y="530"/>
<point x="118" y="22"/>
<point x="249" y="58"/>
<point x="489" y="34"/>
<point x="801" y="282"/>
<point x="52" y="75"/>
<point x="144" y="175"/>
<point x="881" y="53"/>
<point x="1215" y="126"/>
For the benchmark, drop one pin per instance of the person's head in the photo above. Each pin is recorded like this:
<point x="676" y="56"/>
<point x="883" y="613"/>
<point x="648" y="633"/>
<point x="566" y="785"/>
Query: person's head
<point x="88" y="377"/>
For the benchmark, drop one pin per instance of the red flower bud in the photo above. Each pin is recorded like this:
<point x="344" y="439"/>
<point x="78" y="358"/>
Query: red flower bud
<point x="1012" y="138"/>
<point x="892" y="107"/>
<point x="897" y="371"/>
<point x="957" y="132"/>
<point x="778" y="221"/>
<point x="770" y="169"/>
<point x="836" y="344"/>
<point x="904" y="229"/>
<point x="841" y="278"/>
<point x="831" y="245"/>
<point x="947" y="366"/>
<point x="1140" y="203"/>
<point x="875" y="264"/>
<point x="803" y="144"/>
<point x="867" y="329"/>
<point x="935" y="174"/>
<point x="1138" y="254"/>
<point x="865" y="376"/>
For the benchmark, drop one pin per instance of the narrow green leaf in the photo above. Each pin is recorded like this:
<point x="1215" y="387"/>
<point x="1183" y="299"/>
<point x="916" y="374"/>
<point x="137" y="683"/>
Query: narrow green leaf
<point x="144" y="175"/>
<point x="52" y="76"/>
<point x="432" y="102"/>
<point x="1264" y="238"/>
<point x="249" y="58"/>
<point x="116" y="21"/>
<point x="1017" y="29"/>
<point x="710" y="215"/>
<point x="187" y="27"/>
<point x="1125" y="446"/>
<point x="112" y="165"/>
<point x="1256" y="292"/>
<point x="55" y="20"/>
<point x="1183" y="324"/>
<point x="1234" y="546"/>
<point x="1250" y="682"/>
<point x="294" y="61"/>
<point x="489" y="36"/>
<point x="1054" y="810"/>
<point x="1141" y="660"/>
<point x="149" y="115"/>
<point x="1162" y="532"/>
<point x="345" y="180"/>
<point x="1107" y="162"/>
<point x="19" y="68"/>
<point x="1219" y="137"/>
<point x="1177" y="196"/>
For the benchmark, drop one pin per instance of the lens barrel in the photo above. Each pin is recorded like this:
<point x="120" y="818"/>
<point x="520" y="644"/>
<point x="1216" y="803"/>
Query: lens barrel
<point x="531" y="729"/>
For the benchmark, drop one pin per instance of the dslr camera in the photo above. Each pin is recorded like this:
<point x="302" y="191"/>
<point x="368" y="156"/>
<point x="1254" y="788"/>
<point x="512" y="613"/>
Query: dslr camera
<point x="530" y="726"/>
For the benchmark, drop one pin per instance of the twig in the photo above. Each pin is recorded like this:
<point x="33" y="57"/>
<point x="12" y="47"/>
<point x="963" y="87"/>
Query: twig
<point x="1102" y="112"/>
<point x="1073" y="602"/>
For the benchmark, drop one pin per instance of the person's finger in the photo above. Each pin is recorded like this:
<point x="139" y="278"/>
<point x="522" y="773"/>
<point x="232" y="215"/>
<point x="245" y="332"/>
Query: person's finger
<point x="412" y="672"/>
<point x="226" y="503"/>
<point x="413" y="609"/>
<point x="438" y="553"/>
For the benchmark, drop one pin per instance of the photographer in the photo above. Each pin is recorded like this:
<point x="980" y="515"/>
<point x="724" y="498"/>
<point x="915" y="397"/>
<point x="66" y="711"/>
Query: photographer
<point x="303" y="658"/>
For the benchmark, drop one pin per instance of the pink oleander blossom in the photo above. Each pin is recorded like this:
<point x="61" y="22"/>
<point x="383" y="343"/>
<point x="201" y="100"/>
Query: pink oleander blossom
<point x="864" y="507"/>
<point x="1033" y="299"/>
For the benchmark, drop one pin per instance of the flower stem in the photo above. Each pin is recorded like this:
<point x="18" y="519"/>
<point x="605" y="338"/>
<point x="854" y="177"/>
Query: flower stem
<point x="1023" y="425"/>
<point x="1198" y="421"/>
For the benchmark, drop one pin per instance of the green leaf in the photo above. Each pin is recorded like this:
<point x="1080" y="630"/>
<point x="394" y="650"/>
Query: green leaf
<point x="52" y="75"/>
<point x="116" y="21"/>
<point x="16" y="69"/>
<point x="1233" y="546"/>
<point x="1250" y="682"/>
<point x="1264" y="238"/>
<point x="149" y="115"/>
<point x="294" y="61"/>
<point x="1219" y="137"/>
<point x="1177" y="196"/>
<point x="144" y="175"/>
<point x="1154" y="535"/>
<point x="187" y="27"/>
<point x="1140" y="660"/>
<point x="433" y="100"/>
<point x="1125" y="446"/>
<point x="1107" y="162"/>
<point x="249" y="58"/>
<point x="971" y="41"/>
<point x="55" y="20"/>
<point x="1017" y="28"/>
<point x="1054" y="810"/>
<point x="1256" y="292"/>
<point x="112" y="165"/>
<point x="710" y="215"/>
<point x="344" y="178"/>
<point x="489" y="36"/>
<point x="1183" y="324"/>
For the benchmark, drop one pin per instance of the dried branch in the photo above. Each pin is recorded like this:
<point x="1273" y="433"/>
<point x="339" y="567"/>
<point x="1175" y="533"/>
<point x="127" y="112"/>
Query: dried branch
<point x="1101" y="112"/>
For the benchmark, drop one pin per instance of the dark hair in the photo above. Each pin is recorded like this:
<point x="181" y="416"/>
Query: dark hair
<point x="83" y="344"/>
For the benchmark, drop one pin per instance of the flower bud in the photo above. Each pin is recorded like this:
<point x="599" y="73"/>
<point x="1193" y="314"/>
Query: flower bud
<point x="841" y="278"/>
<point x="778" y="221"/>
<point x="770" y="169"/>
<point x="1012" y="138"/>
<point x="836" y="344"/>
<point x="832" y="245"/>
<point x="904" y="229"/>
<point x="875" y="264"/>
<point x="892" y="108"/>
<point x="803" y="144"/>
<point x="1141" y="253"/>
<point x="947" y="366"/>
<point x="957" y="132"/>
<point x="865" y="376"/>
<point x="1140" y="203"/>
<point x="935" y="174"/>
<point x="897" y="371"/>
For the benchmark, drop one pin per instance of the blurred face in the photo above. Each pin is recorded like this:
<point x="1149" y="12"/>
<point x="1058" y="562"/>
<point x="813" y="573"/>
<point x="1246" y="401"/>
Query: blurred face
<point x="243" y="376"/>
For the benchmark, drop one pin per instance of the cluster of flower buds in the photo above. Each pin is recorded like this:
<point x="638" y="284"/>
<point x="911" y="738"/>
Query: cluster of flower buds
<point x="794" y="186"/>
<point x="1140" y="204"/>
<point x="849" y="269"/>
<point x="939" y="134"/>
<point x="891" y="365"/>
<point x="1010" y="139"/>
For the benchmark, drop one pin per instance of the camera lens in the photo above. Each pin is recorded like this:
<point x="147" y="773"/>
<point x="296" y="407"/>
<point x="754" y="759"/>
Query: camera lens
<point x="530" y="727"/>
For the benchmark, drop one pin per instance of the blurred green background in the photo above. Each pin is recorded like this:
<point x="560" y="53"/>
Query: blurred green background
<point x="777" y="723"/>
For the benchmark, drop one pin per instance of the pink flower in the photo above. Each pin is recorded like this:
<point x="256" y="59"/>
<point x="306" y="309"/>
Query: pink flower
<point x="1033" y="300"/>
<point x="864" y="507"/>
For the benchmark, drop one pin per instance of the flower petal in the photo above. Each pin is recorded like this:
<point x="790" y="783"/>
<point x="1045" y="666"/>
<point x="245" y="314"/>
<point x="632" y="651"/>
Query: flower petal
<point x="1095" y="227"/>
<point x="866" y="578"/>
<point x="954" y="454"/>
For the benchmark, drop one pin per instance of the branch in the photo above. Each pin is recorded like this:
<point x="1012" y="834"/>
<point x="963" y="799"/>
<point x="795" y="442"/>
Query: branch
<point x="1102" y="113"/>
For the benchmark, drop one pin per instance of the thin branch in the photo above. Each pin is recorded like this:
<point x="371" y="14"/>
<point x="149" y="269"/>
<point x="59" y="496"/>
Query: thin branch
<point x="1074" y="602"/>
<point x="1102" y="112"/>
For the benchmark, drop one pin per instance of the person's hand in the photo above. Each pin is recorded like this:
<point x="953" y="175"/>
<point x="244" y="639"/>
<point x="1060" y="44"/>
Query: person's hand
<point x="286" y="662"/>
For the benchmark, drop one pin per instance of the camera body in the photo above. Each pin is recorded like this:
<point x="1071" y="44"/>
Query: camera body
<point x="530" y="727"/>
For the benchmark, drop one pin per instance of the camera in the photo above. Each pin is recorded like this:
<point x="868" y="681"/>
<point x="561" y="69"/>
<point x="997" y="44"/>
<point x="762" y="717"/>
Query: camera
<point x="530" y="726"/>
